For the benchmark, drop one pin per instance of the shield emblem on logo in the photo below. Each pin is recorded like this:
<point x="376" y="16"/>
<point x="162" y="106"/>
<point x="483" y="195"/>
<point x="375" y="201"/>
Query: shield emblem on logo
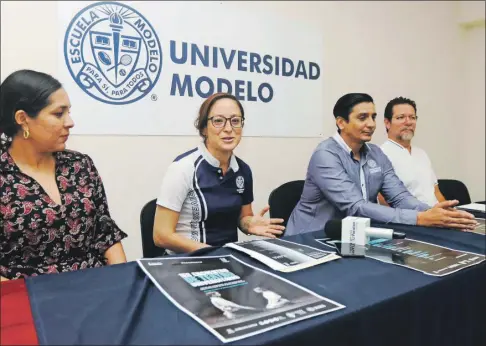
<point x="240" y="182"/>
<point x="117" y="58"/>
<point x="116" y="55"/>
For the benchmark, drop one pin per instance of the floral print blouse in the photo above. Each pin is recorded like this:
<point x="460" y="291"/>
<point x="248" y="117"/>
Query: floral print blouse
<point x="39" y="236"/>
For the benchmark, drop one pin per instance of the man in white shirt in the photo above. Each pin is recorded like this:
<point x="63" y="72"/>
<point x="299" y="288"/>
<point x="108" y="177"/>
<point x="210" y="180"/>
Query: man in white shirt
<point x="411" y="165"/>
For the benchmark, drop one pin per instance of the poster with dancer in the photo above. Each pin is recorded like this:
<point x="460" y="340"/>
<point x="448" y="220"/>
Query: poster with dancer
<point x="230" y="298"/>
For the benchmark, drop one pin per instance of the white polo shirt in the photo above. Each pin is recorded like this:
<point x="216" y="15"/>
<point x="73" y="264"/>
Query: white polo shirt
<point x="414" y="170"/>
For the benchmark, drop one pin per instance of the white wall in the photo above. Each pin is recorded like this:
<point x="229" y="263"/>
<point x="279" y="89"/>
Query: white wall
<point x="386" y="49"/>
<point x="471" y="112"/>
<point x="469" y="12"/>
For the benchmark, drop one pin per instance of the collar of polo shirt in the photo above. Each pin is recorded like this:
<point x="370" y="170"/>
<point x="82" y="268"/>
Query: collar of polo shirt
<point x="214" y="161"/>
<point x="397" y="144"/>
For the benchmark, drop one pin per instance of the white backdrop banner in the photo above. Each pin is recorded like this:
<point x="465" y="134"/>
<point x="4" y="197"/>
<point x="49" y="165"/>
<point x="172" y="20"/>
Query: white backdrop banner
<point x="144" y="68"/>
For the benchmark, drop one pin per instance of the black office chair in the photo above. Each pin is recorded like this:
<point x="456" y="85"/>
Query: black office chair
<point x="454" y="189"/>
<point x="284" y="198"/>
<point x="150" y="250"/>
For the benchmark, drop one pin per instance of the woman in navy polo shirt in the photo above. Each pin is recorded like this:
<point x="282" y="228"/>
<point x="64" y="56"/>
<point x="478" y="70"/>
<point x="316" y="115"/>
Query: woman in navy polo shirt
<point x="207" y="192"/>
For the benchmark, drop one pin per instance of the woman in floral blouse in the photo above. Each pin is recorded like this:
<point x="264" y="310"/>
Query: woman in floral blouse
<point x="53" y="211"/>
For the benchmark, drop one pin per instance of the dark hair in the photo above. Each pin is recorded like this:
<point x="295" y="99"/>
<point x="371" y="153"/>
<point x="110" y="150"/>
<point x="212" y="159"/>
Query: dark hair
<point x="25" y="90"/>
<point x="202" y="120"/>
<point x="398" y="101"/>
<point x="344" y="106"/>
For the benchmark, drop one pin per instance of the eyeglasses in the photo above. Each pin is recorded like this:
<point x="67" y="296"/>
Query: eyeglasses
<point x="401" y="118"/>
<point x="219" y="122"/>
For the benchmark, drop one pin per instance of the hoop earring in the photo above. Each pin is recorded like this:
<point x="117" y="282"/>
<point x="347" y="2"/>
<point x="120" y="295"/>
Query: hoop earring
<point x="26" y="133"/>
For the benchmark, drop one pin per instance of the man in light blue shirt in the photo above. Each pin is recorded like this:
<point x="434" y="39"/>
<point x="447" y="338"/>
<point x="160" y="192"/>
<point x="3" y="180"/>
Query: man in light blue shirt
<point x="345" y="175"/>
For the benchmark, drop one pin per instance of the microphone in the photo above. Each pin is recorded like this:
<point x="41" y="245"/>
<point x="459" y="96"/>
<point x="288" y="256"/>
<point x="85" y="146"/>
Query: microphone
<point x="336" y="229"/>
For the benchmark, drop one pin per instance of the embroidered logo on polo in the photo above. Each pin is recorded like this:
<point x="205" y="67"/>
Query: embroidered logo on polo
<point x="240" y="184"/>
<point x="374" y="168"/>
<point x="113" y="53"/>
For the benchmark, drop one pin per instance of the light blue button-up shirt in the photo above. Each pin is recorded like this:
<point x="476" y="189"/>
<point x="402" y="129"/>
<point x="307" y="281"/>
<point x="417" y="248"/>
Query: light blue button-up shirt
<point x="337" y="186"/>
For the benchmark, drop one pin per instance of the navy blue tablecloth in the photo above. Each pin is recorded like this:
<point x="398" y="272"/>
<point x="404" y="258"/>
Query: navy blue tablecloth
<point x="385" y="304"/>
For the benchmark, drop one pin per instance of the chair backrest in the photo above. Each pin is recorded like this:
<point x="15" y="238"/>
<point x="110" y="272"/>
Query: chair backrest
<point x="454" y="189"/>
<point x="147" y="215"/>
<point x="284" y="198"/>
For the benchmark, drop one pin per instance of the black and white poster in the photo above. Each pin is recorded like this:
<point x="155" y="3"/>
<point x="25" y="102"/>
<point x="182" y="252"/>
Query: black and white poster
<point x="428" y="258"/>
<point x="231" y="299"/>
<point x="283" y="255"/>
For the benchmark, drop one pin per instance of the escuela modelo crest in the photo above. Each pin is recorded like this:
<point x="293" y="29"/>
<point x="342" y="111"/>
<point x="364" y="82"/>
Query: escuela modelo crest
<point x="113" y="53"/>
<point x="240" y="184"/>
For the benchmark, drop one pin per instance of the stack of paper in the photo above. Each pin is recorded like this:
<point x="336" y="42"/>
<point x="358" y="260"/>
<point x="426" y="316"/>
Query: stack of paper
<point x="283" y="255"/>
<point x="473" y="207"/>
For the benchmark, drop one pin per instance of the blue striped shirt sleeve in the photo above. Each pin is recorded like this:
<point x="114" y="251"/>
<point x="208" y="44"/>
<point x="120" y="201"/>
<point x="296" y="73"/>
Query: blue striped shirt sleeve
<point x="341" y="191"/>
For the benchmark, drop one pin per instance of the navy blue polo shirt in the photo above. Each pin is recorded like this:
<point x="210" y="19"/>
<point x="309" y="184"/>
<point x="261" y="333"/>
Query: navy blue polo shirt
<point x="208" y="202"/>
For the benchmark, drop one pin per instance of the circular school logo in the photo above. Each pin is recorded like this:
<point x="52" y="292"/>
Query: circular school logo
<point x="113" y="53"/>
<point x="240" y="182"/>
<point x="372" y="163"/>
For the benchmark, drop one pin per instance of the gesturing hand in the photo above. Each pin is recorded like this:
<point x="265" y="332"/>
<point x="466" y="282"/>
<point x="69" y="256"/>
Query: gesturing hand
<point x="261" y="226"/>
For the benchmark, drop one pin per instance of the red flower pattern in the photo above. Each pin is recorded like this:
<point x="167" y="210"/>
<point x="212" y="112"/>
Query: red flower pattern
<point x="38" y="236"/>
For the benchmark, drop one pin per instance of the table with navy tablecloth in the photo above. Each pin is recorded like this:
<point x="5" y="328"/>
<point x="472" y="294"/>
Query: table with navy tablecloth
<point x="385" y="304"/>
